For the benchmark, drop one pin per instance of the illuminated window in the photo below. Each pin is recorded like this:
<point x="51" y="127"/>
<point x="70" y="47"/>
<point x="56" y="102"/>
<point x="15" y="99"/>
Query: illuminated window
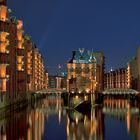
<point x="3" y="85"/>
<point x="19" y="67"/>
<point x="3" y="36"/>
<point x="2" y="71"/>
<point x="19" y="35"/>
<point x="3" y="13"/>
<point x="2" y="48"/>
<point x="19" y="59"/>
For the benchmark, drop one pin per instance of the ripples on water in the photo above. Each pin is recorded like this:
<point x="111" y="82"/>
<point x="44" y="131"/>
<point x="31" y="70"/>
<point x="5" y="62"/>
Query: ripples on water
<point x="116" y="119"/>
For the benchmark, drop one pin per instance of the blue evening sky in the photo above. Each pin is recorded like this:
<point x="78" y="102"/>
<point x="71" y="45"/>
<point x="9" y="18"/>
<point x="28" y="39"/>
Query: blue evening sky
<point x="60" y="26"/>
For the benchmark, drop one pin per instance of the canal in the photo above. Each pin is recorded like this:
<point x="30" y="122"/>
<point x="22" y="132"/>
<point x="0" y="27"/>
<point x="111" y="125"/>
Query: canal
<point x="49" y="119"/>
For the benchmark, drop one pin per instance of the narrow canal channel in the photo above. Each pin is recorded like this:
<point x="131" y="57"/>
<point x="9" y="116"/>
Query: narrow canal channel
<point x="49" y="119"/>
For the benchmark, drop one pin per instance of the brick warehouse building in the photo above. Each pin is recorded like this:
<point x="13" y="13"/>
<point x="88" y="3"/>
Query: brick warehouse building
<point x="17" y="61"/>
<point x="116" y="79"/>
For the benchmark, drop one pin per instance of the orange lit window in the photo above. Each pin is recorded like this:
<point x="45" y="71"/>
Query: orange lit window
<point x="19" y="67"/>
<point x="2" y="71"/>
<point x="20" y="45"/>
<point x="3" y="36"/>
<point x="29" y="71"/>
<point x="3" y="13"/>
<point x="19" y="35"/>
<point x="19" y="59"/>
<point x="29" y="60"/>
<point x="4" y="85"/>
<point x="29" y="54"/>
<point x="29" y="66"/>
<point x="2" y="48"/>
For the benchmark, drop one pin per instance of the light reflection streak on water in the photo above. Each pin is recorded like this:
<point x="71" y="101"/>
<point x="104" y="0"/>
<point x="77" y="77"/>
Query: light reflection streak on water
<point x="29" y="124"/>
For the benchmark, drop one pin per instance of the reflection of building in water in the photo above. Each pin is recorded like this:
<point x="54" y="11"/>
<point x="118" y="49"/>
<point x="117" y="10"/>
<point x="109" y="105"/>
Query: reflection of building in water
<point x="3" y="131"/>
<point x="36" y="125"/>
<point x="125" y="111"/>
<point x="16" y="127"/>
<point x="135" y="126"/>
<point x="85" y="127"/>
<point x="53" y="105"/>
<point x="23" y="126"/>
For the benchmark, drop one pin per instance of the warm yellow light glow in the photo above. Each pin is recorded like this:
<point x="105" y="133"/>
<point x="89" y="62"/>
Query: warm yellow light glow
<point x="3" y="85"/>
<point x="19" y="24"/>
<point x="28" y="134"/>
<point x="19" y="59"/>
<point x="2" y="71"/>
<point x="29" y="72"/>
<point x="19" y="35"/>
<point x="76" y="120"/>
<point x="3" y="13"/>
<point x="87" y="90"/>
<point x="29" y="66"/>
<point x="29" y="54"/>
<point x="82" y="66"/>
<point x="80" y="91"/>
<point x="77" y="97"/>
<point x="69" y="66"/>
<point x="20" y="45"/>
<point x="3" y="36"/>
<point x="29" y="61"/>
<point x="74" y="65"/>
<point x="129" y="76"/>
<point x="85" y="98"/>
<point x="90" y="66"/>
<point x="36" y="57"/>
<point x="2" y="48"/>
<point x="68" y="130"/>
<point x="19" y="67"/>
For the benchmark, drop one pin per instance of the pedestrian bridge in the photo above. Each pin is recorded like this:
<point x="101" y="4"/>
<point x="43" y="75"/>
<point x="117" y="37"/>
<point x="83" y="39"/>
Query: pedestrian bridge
<point x="118" y="91"/>
<point x="52" y="90"/>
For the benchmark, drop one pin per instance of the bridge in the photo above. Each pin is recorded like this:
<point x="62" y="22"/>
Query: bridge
<point x="76" y="100"/>
<point x="52" y="90"/>
<point x="118" y="91"/>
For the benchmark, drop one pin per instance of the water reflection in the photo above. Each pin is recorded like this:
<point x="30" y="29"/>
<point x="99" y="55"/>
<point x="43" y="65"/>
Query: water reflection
<point x="85" y="127"/>
<point x="126" y="112"/>
<point x="49" y="119"/>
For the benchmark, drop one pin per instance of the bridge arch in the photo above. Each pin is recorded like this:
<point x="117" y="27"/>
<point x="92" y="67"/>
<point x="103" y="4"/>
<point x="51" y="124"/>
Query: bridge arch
<point x="118" y="91"/>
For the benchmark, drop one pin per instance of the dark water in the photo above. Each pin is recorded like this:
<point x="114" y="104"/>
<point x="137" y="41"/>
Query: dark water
<point x="116" y="119"/>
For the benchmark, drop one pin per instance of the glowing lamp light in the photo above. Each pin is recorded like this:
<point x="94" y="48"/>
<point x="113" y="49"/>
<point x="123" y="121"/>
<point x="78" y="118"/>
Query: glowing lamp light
<point x="76" y="120"/>
<point x="80" y="91"/>
<point x="87" y="90"/>
<point x="77" y="97"/>
<point x="85" y="98"/>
